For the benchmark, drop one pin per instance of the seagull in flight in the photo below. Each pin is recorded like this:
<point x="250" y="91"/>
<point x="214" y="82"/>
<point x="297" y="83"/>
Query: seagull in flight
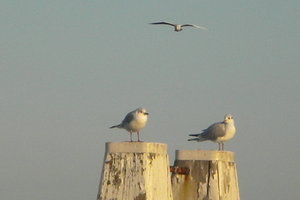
<point x="134" y="121"/>
<point x="218" y="132"/>
<point x="178" y="27"/>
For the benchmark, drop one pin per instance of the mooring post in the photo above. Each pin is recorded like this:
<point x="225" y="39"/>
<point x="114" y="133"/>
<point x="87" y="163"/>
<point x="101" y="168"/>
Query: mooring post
<point x="135" y="171"/>
<point x="212" y="176"/>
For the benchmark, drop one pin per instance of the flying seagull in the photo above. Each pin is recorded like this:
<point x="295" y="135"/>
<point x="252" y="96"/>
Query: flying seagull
<point x="178" y="27"/>
<point x="134" y="122"/>
<point x="218" y="132"/>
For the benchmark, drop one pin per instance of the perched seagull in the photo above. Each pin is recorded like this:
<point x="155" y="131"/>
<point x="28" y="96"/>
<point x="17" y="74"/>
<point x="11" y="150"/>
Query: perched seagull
<point x="218" y="132"/>
<point x="134" y="122"/>
<point x="178" y="27"/>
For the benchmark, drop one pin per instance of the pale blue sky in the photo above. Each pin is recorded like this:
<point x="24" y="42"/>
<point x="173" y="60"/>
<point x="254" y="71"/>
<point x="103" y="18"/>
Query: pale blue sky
<point x="71" y="69"/>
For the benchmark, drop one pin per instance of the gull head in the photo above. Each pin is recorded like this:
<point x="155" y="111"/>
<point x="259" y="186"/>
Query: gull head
<point x="141" y="111"/>
<point x="228" y="118"/>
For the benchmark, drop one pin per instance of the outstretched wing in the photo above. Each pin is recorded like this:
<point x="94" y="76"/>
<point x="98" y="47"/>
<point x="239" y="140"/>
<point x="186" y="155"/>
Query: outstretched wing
<point x="165" y="23"/>
<point x="196" y="26"/>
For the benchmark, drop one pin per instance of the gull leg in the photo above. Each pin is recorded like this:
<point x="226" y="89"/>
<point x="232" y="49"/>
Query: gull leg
<point x="138" y="134"/>
<point x="130" y="136"/>
<point x="219" y="146"/>
<point x="222" y="146"/>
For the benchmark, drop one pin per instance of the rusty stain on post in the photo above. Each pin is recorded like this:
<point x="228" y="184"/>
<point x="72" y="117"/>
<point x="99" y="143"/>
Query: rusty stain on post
<point x="212" y="176"/>
<point x="179" y="170"/>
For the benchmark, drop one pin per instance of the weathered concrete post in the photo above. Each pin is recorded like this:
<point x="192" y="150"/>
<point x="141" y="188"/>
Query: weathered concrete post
<point x="212" y="176"/>
<point x="135" y="171"/>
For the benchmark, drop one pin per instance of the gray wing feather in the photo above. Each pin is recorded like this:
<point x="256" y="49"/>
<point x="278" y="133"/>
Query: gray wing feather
<point x="195" y="135"/>
<point x="214" y="131"/>
<point x="128" y="118"/>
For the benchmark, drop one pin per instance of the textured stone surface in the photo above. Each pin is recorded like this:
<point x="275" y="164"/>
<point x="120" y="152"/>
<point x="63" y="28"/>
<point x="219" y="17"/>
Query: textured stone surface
<point x="212" y="176"/>
<point x="135" y="170"/>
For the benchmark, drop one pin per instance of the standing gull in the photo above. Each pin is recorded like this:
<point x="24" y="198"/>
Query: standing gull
<point x="134" y="122"/>
<point x="218" y="132"/>
<point x="178" y="27"/>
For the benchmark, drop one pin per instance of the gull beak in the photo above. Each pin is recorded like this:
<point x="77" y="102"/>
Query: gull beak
<point x="146" y="113"/>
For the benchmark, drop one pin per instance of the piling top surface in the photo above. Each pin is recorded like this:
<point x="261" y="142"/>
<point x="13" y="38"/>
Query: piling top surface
<point x="204" y="155"/>
<point x="136" y="147"/>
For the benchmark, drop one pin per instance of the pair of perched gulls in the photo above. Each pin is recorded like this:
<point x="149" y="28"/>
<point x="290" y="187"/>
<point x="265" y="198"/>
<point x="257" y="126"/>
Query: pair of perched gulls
<point x="179" y="27"/>
<point x="218" y="132"/>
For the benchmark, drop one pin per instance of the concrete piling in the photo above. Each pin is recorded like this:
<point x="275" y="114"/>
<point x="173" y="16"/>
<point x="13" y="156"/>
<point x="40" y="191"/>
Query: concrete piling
<point x="135" y="171"/>
<point x="212" y="176"/>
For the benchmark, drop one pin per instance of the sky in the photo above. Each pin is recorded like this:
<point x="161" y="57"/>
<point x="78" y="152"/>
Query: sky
<point x="71" y="69"/>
